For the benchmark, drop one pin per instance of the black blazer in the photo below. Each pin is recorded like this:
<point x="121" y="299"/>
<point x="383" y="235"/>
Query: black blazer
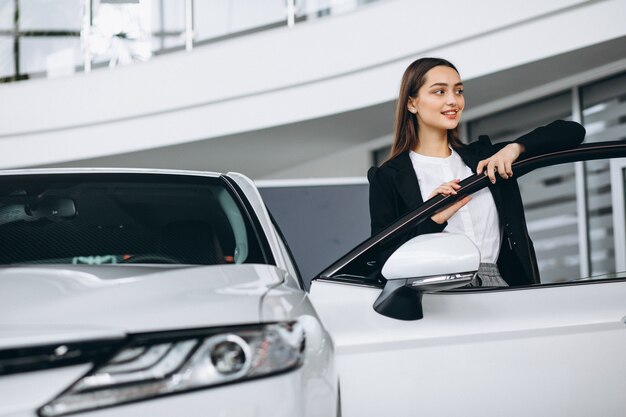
<point x="394" y="191"/>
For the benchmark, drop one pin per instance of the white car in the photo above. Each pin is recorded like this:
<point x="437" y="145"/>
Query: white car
<point x="147" y="292"/>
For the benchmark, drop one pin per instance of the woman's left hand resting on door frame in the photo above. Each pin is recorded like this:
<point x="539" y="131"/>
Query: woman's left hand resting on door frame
<point x="501" y="162"/>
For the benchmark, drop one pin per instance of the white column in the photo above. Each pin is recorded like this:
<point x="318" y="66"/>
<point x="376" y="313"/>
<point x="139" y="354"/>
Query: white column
<point x="618" y="166"/>
<point x="291" y="13"/>
<point x="86" y="34"/>
<point x="581" y="196"/>
<point x="188" y="25"/>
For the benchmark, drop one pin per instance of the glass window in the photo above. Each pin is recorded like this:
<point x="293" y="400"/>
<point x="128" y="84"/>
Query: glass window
<point x="512" y="123"/>
<point x="7" y="15"/>
<point x="604" y="109"/>
<point x="120" y="218"/>
<point x="249" y="14"/>
<point x="605" y="220"/>
<point x="52" y="55"/>
<point x="65" y="15"/>
<point x="212" y="18"/>
<point x="7" y="63"/>
<point x="549" y="197"/>
<point x="168" y="23"/>
<point x="604" y="117"/>
<point x="222" y="17"/>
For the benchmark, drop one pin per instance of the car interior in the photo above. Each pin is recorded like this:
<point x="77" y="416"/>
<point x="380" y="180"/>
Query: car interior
<point x="106" y="220"/>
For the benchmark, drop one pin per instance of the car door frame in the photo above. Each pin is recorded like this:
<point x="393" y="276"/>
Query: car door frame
<point x="585" y="152"/>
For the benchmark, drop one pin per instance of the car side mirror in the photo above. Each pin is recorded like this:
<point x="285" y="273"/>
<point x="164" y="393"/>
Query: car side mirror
<point x="431" y="262"/>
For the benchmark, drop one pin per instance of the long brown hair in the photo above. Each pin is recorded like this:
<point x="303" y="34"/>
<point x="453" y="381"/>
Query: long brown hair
<point x="406" y="125"/>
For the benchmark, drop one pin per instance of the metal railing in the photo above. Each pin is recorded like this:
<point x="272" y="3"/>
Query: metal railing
<point x="53" y="38"/>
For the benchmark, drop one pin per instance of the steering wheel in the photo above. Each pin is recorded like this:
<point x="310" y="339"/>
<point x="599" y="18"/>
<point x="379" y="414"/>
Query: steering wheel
<point x="151" y="258"/>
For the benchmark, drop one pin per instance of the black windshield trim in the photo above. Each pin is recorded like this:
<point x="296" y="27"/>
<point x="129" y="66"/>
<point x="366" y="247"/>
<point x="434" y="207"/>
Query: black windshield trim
<point x="289" y="252"/>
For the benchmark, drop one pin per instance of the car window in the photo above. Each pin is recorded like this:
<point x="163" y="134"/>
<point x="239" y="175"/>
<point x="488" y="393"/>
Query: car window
<point x="123" y="218"/>
<point x="573" y="221"/>
<point x="361" y="265"/>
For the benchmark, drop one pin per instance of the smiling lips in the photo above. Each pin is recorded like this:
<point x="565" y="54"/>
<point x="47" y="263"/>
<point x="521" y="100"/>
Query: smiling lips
<point x="450" y="114"/>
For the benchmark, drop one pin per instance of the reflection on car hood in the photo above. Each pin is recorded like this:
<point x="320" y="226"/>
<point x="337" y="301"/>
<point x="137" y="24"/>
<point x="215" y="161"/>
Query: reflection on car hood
<point x="46" y="304"/>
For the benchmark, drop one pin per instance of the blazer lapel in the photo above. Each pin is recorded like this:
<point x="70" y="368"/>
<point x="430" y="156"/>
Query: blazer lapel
<point x="405" y="180"/>
<point x="472" y="160"/>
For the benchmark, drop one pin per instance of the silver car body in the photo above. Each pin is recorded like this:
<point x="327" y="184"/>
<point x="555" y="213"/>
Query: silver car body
<point x="59" y="304"/>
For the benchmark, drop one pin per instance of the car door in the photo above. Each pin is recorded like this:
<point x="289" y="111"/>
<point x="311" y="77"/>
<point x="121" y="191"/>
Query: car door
<point x="549" y="349"/>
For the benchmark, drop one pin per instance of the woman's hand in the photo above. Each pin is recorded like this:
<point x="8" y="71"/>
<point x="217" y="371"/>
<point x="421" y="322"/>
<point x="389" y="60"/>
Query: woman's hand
<point x="442" y="216"/>
<point x="448" y="188"/>
<point x="501" y="162"/>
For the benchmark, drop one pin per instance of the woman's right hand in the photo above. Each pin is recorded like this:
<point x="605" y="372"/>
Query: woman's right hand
<point x="448" y="188"/>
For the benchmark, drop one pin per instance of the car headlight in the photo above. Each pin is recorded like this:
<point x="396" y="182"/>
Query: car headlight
<point x="165" y="363"/>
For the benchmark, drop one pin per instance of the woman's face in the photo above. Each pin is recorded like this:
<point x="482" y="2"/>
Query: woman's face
<point x="439" y="101"/>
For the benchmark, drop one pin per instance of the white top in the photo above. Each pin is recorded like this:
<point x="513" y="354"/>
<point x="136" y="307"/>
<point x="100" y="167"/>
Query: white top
<point x="478" y="219"/>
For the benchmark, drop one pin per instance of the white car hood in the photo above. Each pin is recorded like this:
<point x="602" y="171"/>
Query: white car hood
<point x="40" y="305"/>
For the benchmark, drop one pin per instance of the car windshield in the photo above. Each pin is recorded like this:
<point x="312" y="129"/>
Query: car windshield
<point x="123" y="218"/>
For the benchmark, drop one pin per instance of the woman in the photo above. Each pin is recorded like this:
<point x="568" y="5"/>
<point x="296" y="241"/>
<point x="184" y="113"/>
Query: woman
<point x="427" y="159"/>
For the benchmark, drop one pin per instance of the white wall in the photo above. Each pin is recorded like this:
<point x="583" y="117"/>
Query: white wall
<point x="281" y="76"/>
<point x="351" y="162"/>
